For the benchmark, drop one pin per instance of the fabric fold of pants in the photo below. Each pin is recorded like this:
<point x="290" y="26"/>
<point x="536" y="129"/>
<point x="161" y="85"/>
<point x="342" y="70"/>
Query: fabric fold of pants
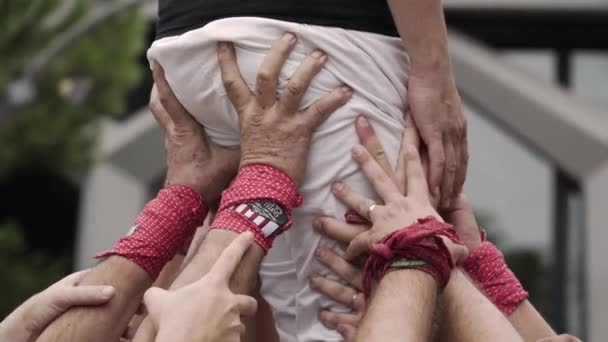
<point x="374" y="66"/>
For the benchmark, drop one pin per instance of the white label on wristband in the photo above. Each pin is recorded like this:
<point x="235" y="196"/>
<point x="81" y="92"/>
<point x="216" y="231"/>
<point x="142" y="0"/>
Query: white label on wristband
<point x="132" y="230"/>
<point x="267" y="216"/>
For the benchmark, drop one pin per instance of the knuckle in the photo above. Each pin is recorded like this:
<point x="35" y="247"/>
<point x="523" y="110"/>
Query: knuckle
<point x="295" y="88"/>
<point x="229" y="83"/>
<point x="265" y="77"/>
<point x="451" y="167"/>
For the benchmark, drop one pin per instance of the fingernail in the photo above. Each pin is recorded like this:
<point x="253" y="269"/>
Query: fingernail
<point x="320" y="55"/>
<point x="338" y="187"/>
<point x="107" y="291"/>
<point x="320" y="252"/>
<point x="362" y="121"/>
<point x="314" y="280"/>
<point x="358" y="151"/>
<point x="436" y="192"/>
<point x="289" y="38"/>
<point x="346" y="90"/>
<point x="317" y="224"/>
<point x="341" y="330"/>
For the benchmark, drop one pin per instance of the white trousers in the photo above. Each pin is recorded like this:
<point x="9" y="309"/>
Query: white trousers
<point x="375" y="66"/>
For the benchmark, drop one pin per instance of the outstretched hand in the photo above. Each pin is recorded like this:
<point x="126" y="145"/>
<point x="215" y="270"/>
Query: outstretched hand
<point x="206" y="310"/>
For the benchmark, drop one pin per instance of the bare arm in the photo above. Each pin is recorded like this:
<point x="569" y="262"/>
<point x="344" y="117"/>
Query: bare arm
<point x="529" y="322"/>
<point x="432" y="96"/>
<point x="422" y="28"/>
<point x="106" y="322"/>
<point x="467" y="315"/>
<point x="401" y="308"/>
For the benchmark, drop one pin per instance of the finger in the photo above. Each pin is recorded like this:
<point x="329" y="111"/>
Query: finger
<point x="170" y="109"/>
<point x="381" y="182"/>
<point x="416" y="182"/>
<point x="353" y="199"/>
<point x="291" y="98"/>
<point x="237" y="90"/>
<point x="155" y="299"/>
<point x="331" y="319"/>
<point x="447" y="186"/>
<point x="412" y="135"/>
<point x="231" y="256"/>
<point x="322" y="108"/>
<point x="347" y="331"/>
<point x="334" y="290"/>
<point x="338" y="230"/>
<point x="269" y="71"/>
<point x="369" y="139"/>
<point x="358" y="246"/>
<point x="436" y="165"/>
<point x="246" y="305"/>
<point x="64" y="297"/>
<point x="463" y="163"/>
<point x="341" y="267"/>
<point x="72" y="279"/>
<point x="458" y="252"/>
<point x="401" y="171"/>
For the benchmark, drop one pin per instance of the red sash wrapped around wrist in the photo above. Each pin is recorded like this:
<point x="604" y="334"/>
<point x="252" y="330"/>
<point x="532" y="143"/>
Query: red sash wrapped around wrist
<point x="260" y="199"/>
<point x="420" y="241"/>
<point x="162" y="229"/>
<point x="487" y="266"/>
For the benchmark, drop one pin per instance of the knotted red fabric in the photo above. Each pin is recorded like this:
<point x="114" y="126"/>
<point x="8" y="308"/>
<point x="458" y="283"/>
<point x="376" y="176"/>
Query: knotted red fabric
<point x="162" y="229"/>
<point x="420" y="241"/>
<point x="257" y="182"/>
<point x="487" y="266"/>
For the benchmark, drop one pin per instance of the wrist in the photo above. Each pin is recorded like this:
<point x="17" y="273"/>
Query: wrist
<point x="422" y="245"/>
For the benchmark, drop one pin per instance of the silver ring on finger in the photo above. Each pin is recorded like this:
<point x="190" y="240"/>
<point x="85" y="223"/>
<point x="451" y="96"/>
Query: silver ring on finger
<point x="354" y="299"/>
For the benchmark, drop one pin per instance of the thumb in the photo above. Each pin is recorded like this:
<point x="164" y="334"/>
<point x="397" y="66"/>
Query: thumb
<point x="461" y="215"/>
<point x="247" y="305"/>
<point x="64" y="297"/>
<point x="154" y="300"/>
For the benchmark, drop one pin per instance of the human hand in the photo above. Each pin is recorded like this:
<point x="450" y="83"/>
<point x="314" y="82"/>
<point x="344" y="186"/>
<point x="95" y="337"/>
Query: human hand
<point x="273" y="130"/>
<point x="461" y="216"/>
<point x="438" y="114"/>
<point x="350" y="295"/>
<point x="192" y="159"/>
<point x="398" y="211"/>
<point x="206" y="310"/>
<point x="30" y="319"/>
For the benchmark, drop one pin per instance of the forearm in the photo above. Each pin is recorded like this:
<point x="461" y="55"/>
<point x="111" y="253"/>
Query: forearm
<point x="401" y="308"/>
<point x="421" y="25"/>
<point x="244" y="279"/>
<point x="467" y="315"/>
<point x="107" y="322"/>
<point x="529" y="323"/>
<point x="215" y="241"/>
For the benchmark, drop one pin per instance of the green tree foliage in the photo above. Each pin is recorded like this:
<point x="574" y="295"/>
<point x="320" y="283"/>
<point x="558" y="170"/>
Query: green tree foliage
<point x="57" y="130"/>
<point x="24" y="272"/>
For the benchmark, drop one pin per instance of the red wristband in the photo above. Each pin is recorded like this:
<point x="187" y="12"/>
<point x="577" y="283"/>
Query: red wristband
<point x="420" y="241"/>
<point x="258" y="185"/>
<point x="487" y="266"/>
<point x="162" y="228"/>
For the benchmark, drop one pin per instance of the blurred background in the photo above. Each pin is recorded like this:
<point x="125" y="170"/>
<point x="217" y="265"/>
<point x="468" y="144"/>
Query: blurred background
<point x="80" y="154"/>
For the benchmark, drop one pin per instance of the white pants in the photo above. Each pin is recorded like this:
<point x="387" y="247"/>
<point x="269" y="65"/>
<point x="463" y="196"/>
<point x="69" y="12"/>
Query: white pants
<point x="373" y="65"/>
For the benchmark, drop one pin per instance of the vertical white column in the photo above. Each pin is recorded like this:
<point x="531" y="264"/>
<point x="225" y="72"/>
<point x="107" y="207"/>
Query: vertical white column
<point x="596" y="202"/>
